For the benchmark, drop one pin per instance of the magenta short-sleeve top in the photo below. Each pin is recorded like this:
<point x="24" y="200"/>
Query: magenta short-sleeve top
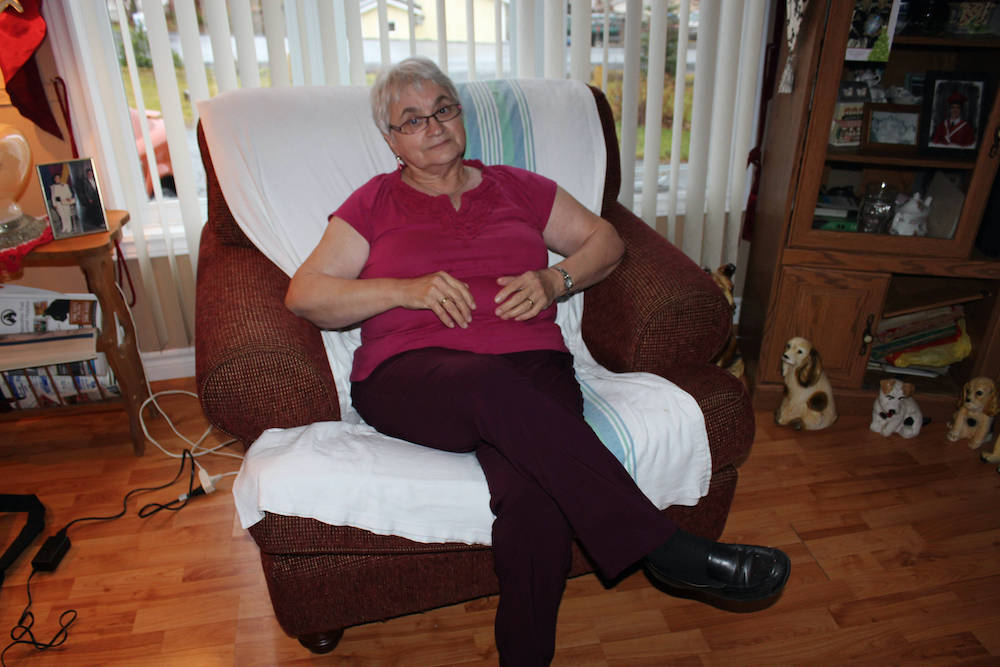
<point x="496" y="232"/>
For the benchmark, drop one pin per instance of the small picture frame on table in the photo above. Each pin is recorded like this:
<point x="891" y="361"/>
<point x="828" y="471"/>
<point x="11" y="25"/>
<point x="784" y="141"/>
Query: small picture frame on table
<point x="891" y="128"/>
<point x="953" y="113"/>
<point x="72" y="198"/>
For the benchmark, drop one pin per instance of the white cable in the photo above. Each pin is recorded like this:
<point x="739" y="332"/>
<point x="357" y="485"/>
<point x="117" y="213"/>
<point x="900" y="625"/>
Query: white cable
<point x="196" y="447"/>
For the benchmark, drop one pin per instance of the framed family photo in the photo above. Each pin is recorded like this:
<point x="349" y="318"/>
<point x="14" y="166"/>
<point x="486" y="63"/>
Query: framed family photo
<point x="953" y="110"/>
<point x="891" y="128"/>
<point x="72" y="198"/>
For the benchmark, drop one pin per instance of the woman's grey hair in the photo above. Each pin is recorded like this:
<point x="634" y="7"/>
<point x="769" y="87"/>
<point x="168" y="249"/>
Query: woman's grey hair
<point x="390" y="83"/>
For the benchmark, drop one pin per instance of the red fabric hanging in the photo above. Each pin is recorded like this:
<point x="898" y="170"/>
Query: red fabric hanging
<point x="21" y="34"/>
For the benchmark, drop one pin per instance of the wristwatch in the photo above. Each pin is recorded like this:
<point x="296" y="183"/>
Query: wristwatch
<point x="567" y="280"/>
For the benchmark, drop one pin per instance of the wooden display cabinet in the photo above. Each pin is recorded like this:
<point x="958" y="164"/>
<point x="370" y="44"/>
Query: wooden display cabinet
<point x="834" y="286"/>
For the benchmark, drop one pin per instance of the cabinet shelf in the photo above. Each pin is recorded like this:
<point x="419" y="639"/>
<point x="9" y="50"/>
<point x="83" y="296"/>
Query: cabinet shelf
<point x="852" y="156"/>
<point x="911" y="294"/>
<point x="947" y="41"/>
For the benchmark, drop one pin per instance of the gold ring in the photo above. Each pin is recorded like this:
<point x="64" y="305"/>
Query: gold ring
<point x="531" y="301"/>
<point x="444" y="300"/>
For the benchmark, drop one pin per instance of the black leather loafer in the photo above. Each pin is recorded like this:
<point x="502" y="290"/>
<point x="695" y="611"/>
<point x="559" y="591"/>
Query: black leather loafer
<point x="738" y="572"/>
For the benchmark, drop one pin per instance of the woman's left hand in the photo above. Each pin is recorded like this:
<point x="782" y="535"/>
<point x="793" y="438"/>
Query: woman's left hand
<point x="524" y="296"/>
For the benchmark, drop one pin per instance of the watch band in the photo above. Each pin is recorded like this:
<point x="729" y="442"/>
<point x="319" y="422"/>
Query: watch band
<point x="567" y="279"/>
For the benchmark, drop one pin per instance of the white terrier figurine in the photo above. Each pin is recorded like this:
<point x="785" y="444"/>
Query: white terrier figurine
<point x="895" y="410"/>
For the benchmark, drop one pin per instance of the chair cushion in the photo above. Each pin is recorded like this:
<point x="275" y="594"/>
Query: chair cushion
<point x="344" y="473"/>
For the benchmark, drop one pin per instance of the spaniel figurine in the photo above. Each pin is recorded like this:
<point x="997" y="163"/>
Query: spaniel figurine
<point x="808" y="400"/>
<point x="895" y="410"/>
<point x="976" y="407"/>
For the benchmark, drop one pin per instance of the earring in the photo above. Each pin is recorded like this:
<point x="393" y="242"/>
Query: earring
<point x="399" y="161"/>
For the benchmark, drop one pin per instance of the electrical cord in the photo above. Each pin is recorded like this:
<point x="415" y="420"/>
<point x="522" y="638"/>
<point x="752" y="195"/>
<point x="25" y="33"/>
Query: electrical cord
<point x="52" y="551"/>
<point x="27" y="621"/>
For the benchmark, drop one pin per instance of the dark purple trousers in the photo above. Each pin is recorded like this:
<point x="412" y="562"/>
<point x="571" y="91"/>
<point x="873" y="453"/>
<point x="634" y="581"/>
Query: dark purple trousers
<point x="550" y="478"/>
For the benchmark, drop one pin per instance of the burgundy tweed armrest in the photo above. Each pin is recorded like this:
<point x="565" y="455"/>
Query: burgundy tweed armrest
<point x="258" y="365"/>
<point x="657" y="309"/>
<point x="658" y="312"/>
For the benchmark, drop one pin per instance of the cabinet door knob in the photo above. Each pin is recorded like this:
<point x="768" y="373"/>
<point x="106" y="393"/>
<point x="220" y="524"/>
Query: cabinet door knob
<point x="866" y="337"/>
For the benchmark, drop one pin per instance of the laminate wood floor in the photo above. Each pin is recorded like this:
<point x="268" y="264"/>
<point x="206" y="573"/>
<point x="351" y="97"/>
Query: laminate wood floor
<point x="895" y="547"/>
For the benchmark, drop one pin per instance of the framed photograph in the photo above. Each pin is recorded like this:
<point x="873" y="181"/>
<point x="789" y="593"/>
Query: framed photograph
<point x="72" y="198"/>
<point x="953" y="112"/>
<point x="848" y="114"/>
<point x="891" y="128"/>
<point x="873" y="25"/>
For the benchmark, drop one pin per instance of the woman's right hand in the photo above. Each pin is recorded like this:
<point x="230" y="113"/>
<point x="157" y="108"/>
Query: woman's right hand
<point x="448" y="297"/>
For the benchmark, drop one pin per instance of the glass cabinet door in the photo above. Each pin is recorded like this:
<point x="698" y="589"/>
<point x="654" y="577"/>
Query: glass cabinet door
<point x="901" y="155"/>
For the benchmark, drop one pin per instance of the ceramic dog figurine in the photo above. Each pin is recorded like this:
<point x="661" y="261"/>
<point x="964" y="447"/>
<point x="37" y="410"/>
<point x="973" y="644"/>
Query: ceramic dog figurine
<point x="730" y="357"/>
<point x="895" y="410"/>
<point x="976" y="407"/>
<point x="911" y="217"/>
<point x="994" y="456"/>
<point x="808" y="401"/>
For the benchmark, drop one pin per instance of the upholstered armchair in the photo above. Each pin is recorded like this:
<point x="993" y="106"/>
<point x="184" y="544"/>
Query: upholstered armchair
<point x="260" y="367"/>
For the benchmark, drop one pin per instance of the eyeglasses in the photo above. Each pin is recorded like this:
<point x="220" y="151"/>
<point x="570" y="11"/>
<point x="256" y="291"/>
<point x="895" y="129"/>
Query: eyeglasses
<point x="419" y="123"/>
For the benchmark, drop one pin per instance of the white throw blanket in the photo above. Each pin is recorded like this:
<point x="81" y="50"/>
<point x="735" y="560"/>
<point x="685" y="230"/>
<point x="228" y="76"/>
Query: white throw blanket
<point x="279" y="155"/>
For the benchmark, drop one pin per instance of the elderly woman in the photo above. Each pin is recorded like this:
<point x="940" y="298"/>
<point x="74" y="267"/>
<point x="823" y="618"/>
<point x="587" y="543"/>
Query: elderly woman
<point x="443" y="262"/>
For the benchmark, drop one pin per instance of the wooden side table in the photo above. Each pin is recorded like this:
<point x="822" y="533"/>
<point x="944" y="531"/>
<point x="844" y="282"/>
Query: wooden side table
<point x="93" y="253"/>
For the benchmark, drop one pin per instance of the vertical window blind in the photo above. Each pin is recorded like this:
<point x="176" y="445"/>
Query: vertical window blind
<point x="690" y="182"/>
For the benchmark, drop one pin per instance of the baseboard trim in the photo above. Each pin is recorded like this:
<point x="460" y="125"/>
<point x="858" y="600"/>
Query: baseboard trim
<point x="169" y="364"/>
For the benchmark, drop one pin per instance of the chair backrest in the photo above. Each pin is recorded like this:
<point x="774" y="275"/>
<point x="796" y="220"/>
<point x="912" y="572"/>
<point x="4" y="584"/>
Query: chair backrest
<point x="287" y="157"/>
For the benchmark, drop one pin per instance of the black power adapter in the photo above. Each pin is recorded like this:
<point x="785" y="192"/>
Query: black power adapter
<point x="51" y="553"/>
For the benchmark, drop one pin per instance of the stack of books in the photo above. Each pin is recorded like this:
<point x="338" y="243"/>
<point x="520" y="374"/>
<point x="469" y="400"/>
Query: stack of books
<point x="836" y="212"/>
<point x="48" y="350"/>
<point x="923" y="343"/>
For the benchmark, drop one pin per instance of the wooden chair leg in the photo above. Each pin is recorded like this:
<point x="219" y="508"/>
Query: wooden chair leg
<point x="321" y="642"/>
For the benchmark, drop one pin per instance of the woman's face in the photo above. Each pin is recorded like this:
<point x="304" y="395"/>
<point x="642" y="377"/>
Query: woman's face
<point x="438" y="144"/>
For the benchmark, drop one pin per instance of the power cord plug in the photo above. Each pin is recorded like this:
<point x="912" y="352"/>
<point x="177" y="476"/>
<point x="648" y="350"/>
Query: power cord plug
<point x="208" y="482"/>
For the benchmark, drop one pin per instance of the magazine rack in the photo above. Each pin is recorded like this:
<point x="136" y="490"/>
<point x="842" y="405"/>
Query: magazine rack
<point x="93" y="253"/>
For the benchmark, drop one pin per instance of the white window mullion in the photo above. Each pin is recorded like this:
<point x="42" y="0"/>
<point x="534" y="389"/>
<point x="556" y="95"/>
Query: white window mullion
<point x="498" y="36"/>
<point x="191" y="54"/>
<point x="746" y="105"/>
<point x="181" y="159"/>
<point x="217" y="24"/>
<point x="654" y="110"/>
<point x="555" y="41"/>
<point x="329" y="42"/>
<point x="701" y="114"/>
<point x="604" y="50"/>
<point x="297" y="47"/>
<point x="525" y="39"/>
<point x="579" y="49"/>
<point x="274" y="35"/>
<point x="442" y="40"/>
<point x="470" y="29"/>
<point x="721" y="146"/>
<point x="412" y="18"/>
<point x="383" y="32"/>
<point x="677" y="129"/>
<point x="246" y="49"/>
<point x="355" y="45"/>
<point x="630" y="101"/>
<point x="303" y="24"/>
